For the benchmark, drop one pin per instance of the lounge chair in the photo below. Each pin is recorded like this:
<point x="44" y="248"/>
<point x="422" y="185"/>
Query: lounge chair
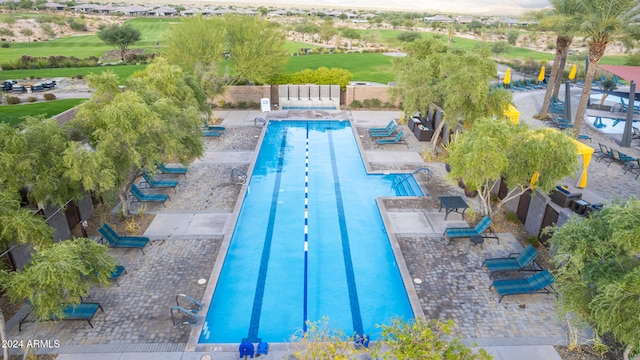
<point x="82" y="311"/>
<point x="482" y="227"/>
<point x="387" y="133"/>
<point x="140" y="196"/>
<point x="633" y="167"/>
<point x="532" y="85"/>
<point x="114" y="240"/>
<point x="603" y="154"/>
<point x="539" y="282"/>
<point x="116" y="273"/>
<point x="524" y="261"/>
<point x="159" y="183"/>
<point x="384" y="129"/>
<point x="523" y="85"/>
<point x="172" y="170"/>
<point x="206" y="126"/>
<point x="616" y="79"/>
<point x="211" y="133"/>
<point x="396" y="140"/>
<point x="622" y="158"/>
<point x="561" y="123"/>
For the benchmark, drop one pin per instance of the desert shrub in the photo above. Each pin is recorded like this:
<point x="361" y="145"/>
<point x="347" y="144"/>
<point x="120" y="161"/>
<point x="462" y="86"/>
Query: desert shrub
<point x="356" y="104"/>
<point x="227" y="105"/>
<point x="46" y="28"/>
<point x="13" y="100"/>
<point x="49" y="96"/>
<point x="512" y="217"/>
<point x="5" y="46"/>
<point x="372" y="103"/>
<point x="32" y="99"/>
<point x="242" y="105"/>
<point x="6" y="32"/>
<point x="254" y="105"/>
<point x="79" y="77"/>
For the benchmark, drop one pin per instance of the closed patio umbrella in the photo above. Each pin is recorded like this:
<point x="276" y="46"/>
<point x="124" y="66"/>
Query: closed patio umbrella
<point x="541" y="75"/>
<point x="507" y="77"/>
<point x="572" y="73"/>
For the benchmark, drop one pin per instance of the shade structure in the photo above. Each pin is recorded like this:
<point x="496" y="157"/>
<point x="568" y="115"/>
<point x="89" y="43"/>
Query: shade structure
<point x="541" y="75"/>
<point x="572" y="73"/>
<point x="507" y="77"/>
<point x="512" y="114"/>
<point x="629" y="73"/>
<point x="586" y="152"/>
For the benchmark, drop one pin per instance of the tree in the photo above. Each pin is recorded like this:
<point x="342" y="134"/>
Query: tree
<point x="327" y="32"/>
<point x="306" y="28"/>
<point x="351" y="34"/>
<point x="33" y="160"/>
<point x="493" y="149"/>
<point x="120" y="36"/>
<point x="607" y="85"/>
<point x="499" y="47"/>
<point x="58" y="275"/>
<point x="512" y="37"/>
<point x="564" y="20"/>
<point x="156" y="119"/>
<point x="197" y="40"/>
<point x="408" y="36"/>
<point x="19" y="226"/>
<point x="455" y="80"/>
<point x="28" y="33"/>
<point x="598" y="273"/>
<point x="604" y="20"/>
<point x="256" y="49"/>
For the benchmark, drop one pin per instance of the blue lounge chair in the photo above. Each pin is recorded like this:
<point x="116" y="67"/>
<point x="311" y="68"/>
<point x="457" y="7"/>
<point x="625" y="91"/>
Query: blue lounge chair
<point x="159" y="183"/>
<point x="539" y="282"/>
<point x="480" y="229"/>
<point x="385" y="133"/>
<point x="114" y="240"/>
<point x="206" y="126"/>
<point x="616" y="79"/>
<point x="172" y="170"/>
<point x="384" y="129"/>
<point x="82" y="311"/>
<point x="140" y="196"/>
<point x="532" y="85"/>
<point x="116" y="273"/>
<point x="211" y="133"/>
<point x="524" y="261"/>
<point x="396" y="140"/>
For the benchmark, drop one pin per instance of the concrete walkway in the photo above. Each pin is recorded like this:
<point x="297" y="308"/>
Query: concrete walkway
<point x="197" y="223"/>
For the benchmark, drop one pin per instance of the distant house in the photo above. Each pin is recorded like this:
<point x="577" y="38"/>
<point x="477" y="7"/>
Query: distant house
<point x="439" y="18"/>
<point x="163" y="11"/>
<point x="55" y="6"/>
<point x="464" y="19"/>
<point x="367" y="16"/>
<point x="134" y="10"/>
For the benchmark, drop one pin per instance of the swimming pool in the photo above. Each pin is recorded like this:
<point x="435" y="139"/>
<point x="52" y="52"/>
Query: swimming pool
<point x="309" y="242"/>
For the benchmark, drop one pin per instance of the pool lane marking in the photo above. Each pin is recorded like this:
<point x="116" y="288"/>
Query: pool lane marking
<point x="254" y="323"/>
<point x="306" y="232"/>
<point x="356" y="317"/>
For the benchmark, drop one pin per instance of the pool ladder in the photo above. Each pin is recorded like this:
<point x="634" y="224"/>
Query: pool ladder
<point x="396" y="184"/>
<point x="182" y="316"/>
<point x="238" y="176"/>
<point x="259" y="120"/>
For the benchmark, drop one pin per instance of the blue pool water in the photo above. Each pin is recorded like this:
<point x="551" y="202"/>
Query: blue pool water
<point x="309" y="189"/>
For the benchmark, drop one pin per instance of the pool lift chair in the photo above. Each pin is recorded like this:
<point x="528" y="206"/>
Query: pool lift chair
<point x="182" y="316"/>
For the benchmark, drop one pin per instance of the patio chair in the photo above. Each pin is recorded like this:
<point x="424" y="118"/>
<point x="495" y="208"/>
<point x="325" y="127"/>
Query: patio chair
<point x="622" y="158"/>
<point x="116" y="241"/>
<point x="82" y="311"/>
<point x="523" y="85"/>
<point x="603" y="153"/>
<point x="140" y="196"/>
<point x="540" y="282"/>
<point x="384" y="133"/>
<point x="211" y="133"/>
<point x="524" y="261"/>
<point x="116" y="273"/>
<point x="561" y="123"/>
<point x="633" y="167"/>
<point x="384" y="129"/>
<point x="617" y="80"/>
<point x="172" y="170"/>
<point x="206" y="126"/>
<point x="556" y="101"/>
<point x="532" y="85"/>
<point x="159" y="183"/>
<point x="481" y="229"/>
<point x="636" y="133"/>
<point x="398" y="139"/>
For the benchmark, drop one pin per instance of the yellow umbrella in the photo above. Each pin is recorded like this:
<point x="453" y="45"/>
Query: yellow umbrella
<point x="541" y="75"/>
<point x="572" y="73"/>
<point x="507" y="77"/>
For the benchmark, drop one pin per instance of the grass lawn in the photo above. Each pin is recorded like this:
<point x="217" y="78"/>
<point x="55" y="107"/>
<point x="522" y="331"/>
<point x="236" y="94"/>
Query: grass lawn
<point x="364" y="67"/>
<point x="123" y="72"/>
<point x="14" y="114"/>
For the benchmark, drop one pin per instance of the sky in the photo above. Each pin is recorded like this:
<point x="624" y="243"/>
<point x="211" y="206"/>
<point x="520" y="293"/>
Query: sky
<point x="488" y="7"/>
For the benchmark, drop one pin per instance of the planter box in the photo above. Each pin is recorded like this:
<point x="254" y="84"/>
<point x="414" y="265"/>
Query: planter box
<point x="422" y="135"/>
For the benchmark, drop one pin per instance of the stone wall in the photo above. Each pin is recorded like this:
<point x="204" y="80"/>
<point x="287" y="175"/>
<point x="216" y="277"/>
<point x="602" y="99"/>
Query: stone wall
<point x="361" y="93"/>
<point x="248" y="94"/>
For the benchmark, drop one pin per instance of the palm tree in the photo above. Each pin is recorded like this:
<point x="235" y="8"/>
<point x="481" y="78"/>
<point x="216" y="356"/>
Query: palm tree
<point x="604" y="20"/>
<point x="563" y="20"/>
